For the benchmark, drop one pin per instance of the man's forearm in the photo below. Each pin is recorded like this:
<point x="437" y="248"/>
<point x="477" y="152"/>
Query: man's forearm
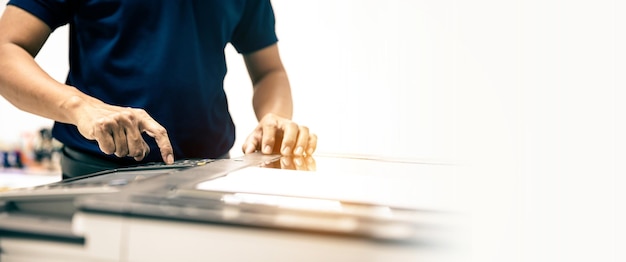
<point x="272" y="94"/>
<point x="25" y="85"/>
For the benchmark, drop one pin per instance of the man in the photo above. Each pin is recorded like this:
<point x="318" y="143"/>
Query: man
<point x="146" y="79"/>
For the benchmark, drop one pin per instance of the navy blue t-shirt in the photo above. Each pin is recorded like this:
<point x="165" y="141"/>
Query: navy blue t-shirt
<point x="165" y="56"/>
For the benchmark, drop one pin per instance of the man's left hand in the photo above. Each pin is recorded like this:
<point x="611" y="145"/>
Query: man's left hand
<point x="275" y="134"/>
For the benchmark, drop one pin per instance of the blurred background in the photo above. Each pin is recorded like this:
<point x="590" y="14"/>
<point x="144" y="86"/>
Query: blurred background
<point x="528" y="94"/>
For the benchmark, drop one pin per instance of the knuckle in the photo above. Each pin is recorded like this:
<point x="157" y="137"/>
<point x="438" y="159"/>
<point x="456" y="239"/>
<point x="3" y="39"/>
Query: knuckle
<point x="269" y="140"/>
<point x="270" y="124"/>
<point x="102" y="123"/>
<point x="132" y="137"/>
<point x="269" y="121"/>
<point x="161" y="131"/>
<point x="127" y="115"/>
<point x="289" y="140"/>
<point x="142" y="113"/>
<point x="292" y="125"/>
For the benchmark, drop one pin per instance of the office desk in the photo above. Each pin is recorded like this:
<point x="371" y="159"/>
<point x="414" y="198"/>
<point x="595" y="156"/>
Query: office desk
<point x="422" y="186"/>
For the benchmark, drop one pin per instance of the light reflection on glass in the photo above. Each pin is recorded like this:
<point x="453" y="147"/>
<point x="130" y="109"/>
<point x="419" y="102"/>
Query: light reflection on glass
<point x="301" y="163"/>
<point x="308" y="204"/>
<point x="283" y="202"/>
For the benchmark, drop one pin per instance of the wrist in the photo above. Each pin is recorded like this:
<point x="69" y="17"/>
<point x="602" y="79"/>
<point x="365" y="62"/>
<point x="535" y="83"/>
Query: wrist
<point x="70" y="108"/>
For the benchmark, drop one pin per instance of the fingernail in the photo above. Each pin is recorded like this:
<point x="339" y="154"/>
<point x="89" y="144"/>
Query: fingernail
<point x="267" y="149"/>
<point x="299" y="151"/>
<point x="287" y="151"/>
<point x="170" y="159"/>
<point x="284" y="161"/>
<point x="298" y="161"/>
<point x="309" y="151"/>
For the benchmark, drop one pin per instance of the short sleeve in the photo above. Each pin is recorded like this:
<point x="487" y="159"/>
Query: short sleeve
<point x="256" y="28"/>
<point x="54" y="13"/>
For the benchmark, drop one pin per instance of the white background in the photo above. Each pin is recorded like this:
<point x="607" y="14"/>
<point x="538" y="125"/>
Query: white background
<point x="528" y="94"/>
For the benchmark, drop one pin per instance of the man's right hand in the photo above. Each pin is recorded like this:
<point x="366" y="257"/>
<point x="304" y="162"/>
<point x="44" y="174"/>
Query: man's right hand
<point x="118" y="130"/>
<point x="23" y="83"/>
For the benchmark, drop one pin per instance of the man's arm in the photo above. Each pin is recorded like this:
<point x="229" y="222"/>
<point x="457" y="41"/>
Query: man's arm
<point x="273" y="107"/>
<point x="272" y="93"/>
<point x="23" y="83"/>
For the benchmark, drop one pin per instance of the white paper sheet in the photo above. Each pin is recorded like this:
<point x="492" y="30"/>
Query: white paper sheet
<point x="383" y="189"/>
